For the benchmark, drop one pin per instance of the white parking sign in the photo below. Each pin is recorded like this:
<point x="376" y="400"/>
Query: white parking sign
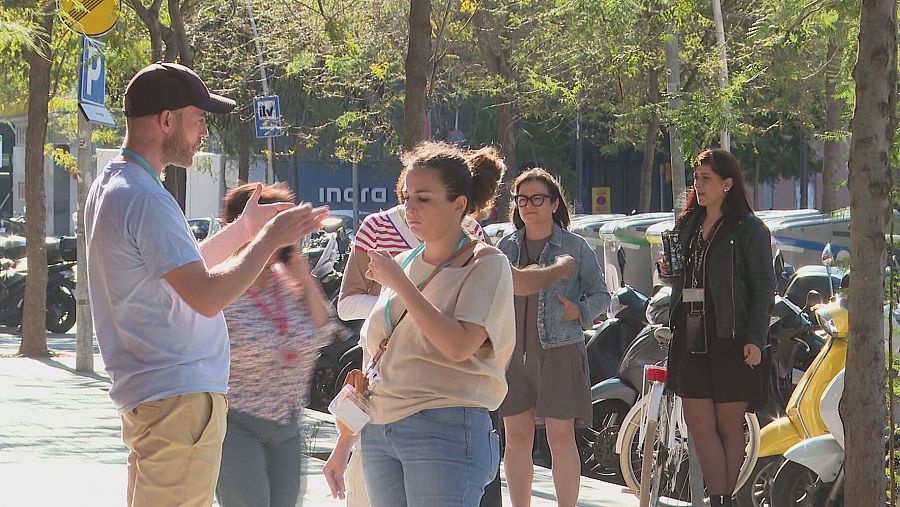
<point x="267" y="111"/>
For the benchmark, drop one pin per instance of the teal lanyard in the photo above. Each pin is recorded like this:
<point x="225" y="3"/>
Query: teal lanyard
<point x="406" y="262"/>
<point x="143" y="163"/>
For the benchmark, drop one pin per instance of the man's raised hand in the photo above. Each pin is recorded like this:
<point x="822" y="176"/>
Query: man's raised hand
<point x="256" y="215"/>
<point x="288" y="226"/>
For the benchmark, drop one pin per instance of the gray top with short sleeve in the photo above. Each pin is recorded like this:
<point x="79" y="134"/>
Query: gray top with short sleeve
<point x="154" y="345"/>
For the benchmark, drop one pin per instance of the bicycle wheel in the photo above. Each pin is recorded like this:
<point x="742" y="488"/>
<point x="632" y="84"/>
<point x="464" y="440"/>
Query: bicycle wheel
<point x="650" y="462"/>
<point x="631" y="453"/>
<point x="675" y="479"/>
<point x="751" y="437"/>
<point x="659" y="455"/>
<point x="671" y="480"/>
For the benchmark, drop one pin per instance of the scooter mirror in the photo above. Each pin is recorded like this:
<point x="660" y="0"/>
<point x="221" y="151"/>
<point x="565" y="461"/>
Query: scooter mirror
<point x="778" y="264"/>
<point x="620" y="258"/>
<point x="845" y="281"/>
<point x="332" y="224"/>
<point x="827" y="255"/>
<point x="813" y="298"/>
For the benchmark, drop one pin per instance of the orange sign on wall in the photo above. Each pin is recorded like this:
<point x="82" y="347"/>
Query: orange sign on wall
<point x="600" y="199"/>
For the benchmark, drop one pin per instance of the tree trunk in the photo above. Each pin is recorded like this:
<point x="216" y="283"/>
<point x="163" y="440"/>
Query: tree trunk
<point x="506" y="136"/>
<point x="496" y="57"/>
<point x="725" y="142"/>
<point x="156" y="42"/>
<point x="171" y="53"/>
<point x="243" y="145"/>
<point x="833" y="160"/>
<point x="417" y="57"/>
<point x="34" y="317"/>
<point x="673" y="89"/>
<point x="176" y="15"/>
<point x="650" y="142"/>
<point x="150" y="17"/>
<point x="870" y="180"/>
<point x="175" y="181"/>
<point x="176" y="177"/>
<point x="756" y="183"/>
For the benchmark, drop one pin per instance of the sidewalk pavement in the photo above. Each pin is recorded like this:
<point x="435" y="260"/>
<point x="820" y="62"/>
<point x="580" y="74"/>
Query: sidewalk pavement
<point x="60" y="440"/>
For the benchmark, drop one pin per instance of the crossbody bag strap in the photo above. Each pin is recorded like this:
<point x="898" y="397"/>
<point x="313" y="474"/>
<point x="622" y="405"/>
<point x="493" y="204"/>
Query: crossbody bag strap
<point x="383" y="345"/>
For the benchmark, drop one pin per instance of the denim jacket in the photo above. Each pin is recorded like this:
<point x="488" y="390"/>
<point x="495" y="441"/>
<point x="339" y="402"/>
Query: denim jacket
<point x="587" y="288"/>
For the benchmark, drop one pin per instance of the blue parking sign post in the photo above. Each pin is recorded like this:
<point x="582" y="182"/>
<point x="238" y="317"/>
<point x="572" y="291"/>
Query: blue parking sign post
<point x="91" y="102"/>
<point x="267" y="111"/>
<point x="92" y="82"/>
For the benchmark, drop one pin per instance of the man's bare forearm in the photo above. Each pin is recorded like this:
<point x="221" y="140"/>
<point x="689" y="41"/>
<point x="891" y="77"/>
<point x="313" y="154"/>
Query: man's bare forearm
<point x="222" y="245"/>
<point x="210" y="291"/>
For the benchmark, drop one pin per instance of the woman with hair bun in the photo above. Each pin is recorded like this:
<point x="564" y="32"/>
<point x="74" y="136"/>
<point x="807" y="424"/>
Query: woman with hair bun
<point x="430" y="440"/>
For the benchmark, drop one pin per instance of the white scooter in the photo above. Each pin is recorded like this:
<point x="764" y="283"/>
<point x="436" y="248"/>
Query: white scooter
<point x="813" y="471"/>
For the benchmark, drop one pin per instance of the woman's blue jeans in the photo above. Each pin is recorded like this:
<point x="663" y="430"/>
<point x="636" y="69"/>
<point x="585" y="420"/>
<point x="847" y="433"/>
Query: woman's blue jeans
<point x="440" y="457"/>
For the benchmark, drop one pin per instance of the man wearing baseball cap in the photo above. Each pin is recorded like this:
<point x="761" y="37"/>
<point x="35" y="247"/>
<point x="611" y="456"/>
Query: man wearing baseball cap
<point x="157" y="296"/>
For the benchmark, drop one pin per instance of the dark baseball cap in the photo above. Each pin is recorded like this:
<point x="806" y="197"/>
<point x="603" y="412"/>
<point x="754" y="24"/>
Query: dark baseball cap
<point x="164" y="86"/>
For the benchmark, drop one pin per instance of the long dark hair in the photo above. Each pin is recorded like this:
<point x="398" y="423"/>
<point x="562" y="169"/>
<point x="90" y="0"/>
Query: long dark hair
<point x="725" y="166"/>
<point x="561" y="216"/>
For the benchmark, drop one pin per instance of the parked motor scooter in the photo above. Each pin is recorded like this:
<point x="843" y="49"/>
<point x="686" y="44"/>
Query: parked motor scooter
<point x="61" y="306"/>
<point x="801" y="419"/>
<point x="327" y="255"/>
<point x="812" y="473"/>
<point x="612" y="337"/>
<point x="796" y="285"/>
<point x="614" y="397"/>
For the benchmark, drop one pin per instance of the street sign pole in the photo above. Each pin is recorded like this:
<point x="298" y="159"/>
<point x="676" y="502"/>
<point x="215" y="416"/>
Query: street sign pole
<point x="270" y="144"/>
<point x="91" y="108"/>
<point x="84" y="337"/>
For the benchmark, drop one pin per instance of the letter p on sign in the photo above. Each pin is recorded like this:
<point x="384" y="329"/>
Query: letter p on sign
<point x="92" y="78"/>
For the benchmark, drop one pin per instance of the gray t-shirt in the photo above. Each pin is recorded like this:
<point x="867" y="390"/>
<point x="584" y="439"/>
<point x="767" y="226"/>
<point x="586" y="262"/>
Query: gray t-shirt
<point x="154" y="345"/>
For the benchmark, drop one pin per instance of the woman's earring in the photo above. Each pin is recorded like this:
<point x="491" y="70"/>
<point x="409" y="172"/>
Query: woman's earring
<point x="727" y="189"/>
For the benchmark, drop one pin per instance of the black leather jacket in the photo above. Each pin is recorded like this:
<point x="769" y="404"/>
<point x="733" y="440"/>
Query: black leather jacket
<point x="739" y="275"/>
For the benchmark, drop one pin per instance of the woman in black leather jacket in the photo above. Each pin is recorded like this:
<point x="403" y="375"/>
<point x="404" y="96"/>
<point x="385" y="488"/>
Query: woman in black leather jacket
<point x="720" y="314"/>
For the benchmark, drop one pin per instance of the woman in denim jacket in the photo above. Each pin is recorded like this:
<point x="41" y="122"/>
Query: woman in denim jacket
<point x="548" y="375"/>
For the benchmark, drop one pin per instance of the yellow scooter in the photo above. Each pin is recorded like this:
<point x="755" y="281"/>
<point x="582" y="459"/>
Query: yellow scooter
<point x="803" y="419"/>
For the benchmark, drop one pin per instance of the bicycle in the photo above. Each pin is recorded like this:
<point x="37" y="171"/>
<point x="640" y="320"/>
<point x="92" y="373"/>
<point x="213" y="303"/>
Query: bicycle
<point x="656" y="436"/>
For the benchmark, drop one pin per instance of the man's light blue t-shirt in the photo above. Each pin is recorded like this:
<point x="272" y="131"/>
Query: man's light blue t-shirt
<point x="154" y="345"/>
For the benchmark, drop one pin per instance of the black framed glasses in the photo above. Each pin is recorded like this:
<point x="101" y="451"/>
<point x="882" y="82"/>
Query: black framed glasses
<point x="536" y="200"/>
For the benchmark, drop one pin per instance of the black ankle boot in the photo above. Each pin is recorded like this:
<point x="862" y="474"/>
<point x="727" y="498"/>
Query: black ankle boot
<point x="720" y="501"/>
